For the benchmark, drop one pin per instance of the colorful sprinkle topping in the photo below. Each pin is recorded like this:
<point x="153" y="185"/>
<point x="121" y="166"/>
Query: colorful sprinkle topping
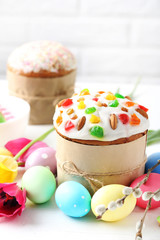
<point x="69" y="125"/>
<point x="134" y="120"/>
<point x="129" y="104"/>
<point x="94" y="119"/>
<point x="59" y="120"/>
<point x="124" y="118"/>
<point x="67" y="103"/>
<point x="110" y="96"/>
<point x="117" y="95"/>
<point x="95" y="99"/>
<point x="81" y="105"/>
<point x="97" y="131"/>
<point x="143" y="108"/>
<point x="114" y="103"/>
<point x="101" y="114"/>
<point x="90" y="110"/>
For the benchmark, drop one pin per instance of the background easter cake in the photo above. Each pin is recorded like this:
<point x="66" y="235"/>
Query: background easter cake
<point x="43" y="73"/>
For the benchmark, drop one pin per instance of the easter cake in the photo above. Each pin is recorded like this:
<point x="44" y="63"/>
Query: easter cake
<point x="43" y="73"/>
<point x="101" y="138"/>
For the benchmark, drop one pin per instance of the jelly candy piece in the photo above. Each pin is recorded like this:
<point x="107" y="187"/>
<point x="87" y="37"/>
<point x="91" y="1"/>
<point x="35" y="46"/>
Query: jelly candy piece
<point x="95" y="99"/>
<point x="74" y="117"/>
<point x="90" y="110"/>
<point x="124" y="118"/>
<point x="67" y="102"/>
<point x="69" y="125"/>
<point x="2" y="118"/>
<point x="110" y="97"/>
<point x="94" y="119"/>
<point x="114" y="103"/>
<point x="84" y="92"/>
<point x="97" y="131"/>
<point x="70" y="111"/>
<point x="129" y="104"/>
<point x="101" y="92"/>
<point x="134" y="119"/>
<point x="81" y="105"/>
<point x="59" y="120"/>
<point x="117" y="95"/>
<point x="80" y="99"/>
<point x="143" y="108"/>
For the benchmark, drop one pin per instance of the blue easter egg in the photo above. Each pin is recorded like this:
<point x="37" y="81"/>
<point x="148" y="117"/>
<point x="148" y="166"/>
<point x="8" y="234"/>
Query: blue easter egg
<point x="73" y="199"/>
<point x="151" y="161"/>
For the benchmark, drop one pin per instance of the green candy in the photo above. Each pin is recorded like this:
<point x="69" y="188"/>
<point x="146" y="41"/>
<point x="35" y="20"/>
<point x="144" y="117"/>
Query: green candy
<point x="97" y="131"/>
<point x="2" y="119"/>
<point x="85" y="90"/>
<point x="117" y="95"/>
<point x="158" y="219"/>
<point x="114" y="103"/>
<point x="90" y="110"/>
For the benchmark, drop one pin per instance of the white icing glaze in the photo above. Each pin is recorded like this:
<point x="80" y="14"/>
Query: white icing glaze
<point x="122" y="130"/>
<point x="41" y="55"/>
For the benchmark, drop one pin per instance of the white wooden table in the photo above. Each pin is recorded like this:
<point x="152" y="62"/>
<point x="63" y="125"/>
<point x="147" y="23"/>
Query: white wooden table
<point x="46" y="221"/>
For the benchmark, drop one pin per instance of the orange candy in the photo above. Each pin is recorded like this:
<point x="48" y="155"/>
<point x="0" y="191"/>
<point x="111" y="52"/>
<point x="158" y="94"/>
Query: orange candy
<point x="129" y="104"/>
<point x="59" y="120"/>
<point x="134" y="120"/>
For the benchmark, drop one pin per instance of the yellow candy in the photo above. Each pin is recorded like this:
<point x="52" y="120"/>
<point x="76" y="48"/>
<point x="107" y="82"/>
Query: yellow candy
<point x="81" y="105"/>
<point x="110" y="193"/>
<point x="110" y="96"/>
<point x="5" y="152"/>
<point x="8" y="169"/>
<point x="94" y="119"/>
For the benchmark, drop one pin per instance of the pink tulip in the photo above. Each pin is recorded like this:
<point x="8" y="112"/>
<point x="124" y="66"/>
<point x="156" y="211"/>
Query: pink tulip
<point x="12" y="200"/>
<point x="14" y="146"/>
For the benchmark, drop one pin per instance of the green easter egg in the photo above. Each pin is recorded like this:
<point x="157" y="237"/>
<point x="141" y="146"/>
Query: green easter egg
<point x="40" y="184"/>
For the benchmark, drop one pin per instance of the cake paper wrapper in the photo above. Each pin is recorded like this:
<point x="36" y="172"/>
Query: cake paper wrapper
<point x="41" y="93"/>
<point x="96" y="166"/>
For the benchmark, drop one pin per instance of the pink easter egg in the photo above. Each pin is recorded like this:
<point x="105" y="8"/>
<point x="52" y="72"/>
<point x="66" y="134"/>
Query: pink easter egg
<point x="152" y="184"/>
<point x="44" y="156"/>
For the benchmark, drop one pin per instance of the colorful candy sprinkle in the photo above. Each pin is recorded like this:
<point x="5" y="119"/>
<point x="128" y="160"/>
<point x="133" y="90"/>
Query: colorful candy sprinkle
<point x="124" y="118"/>
<point x="101" y="92"/>
<point x="90" y="110"/>
<point x="143" y="108"/>
<point x="67" y="102"/>
<point x="110" y="97"/>
<point x="84" y="92"/>
<point x="74" y="117"/>
<point x="97" y="131"/>
<point x="118" y="95"/>
<point x="59" y="120"/>
<point x="81" y="105"/>
<point x="129" y="104"/>
<point x="80" y="99"/>
<point x="94" y="119"/>
<point x="134" y="120"/>
<point x="114" y="103"/>
<point x="69" y="125"/>
<point x="70" y="111"/>
<point x="95" y="99"/>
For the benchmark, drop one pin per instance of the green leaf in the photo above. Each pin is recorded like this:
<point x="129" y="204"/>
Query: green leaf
<point x="153" y="137"/>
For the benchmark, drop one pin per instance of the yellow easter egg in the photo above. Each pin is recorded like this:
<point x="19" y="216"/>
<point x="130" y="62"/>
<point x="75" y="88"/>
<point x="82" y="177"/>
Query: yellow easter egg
<point x="106" y="195"/>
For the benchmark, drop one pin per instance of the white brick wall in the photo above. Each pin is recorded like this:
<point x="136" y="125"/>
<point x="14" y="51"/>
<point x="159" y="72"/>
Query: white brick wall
<point x="113" y="40"/>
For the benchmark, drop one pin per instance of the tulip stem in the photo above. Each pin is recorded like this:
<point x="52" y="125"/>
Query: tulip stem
<point x="42" y="137"/>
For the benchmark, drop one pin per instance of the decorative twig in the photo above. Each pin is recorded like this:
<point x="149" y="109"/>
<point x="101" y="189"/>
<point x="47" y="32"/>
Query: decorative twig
<point x="146" y="196"/>
<point x="131" y="95"/>
<point x="101" y="209"/>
